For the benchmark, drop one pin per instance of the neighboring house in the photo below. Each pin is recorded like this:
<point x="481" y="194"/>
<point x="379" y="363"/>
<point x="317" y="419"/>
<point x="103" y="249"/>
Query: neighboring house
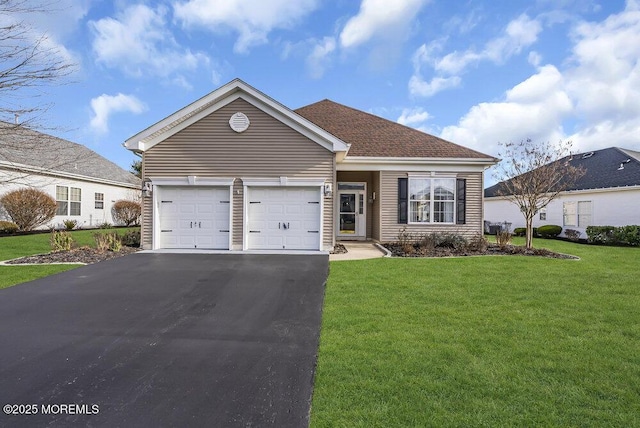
<point x="84" y="184"/>
<point x="608" y="194"/>
<point x="238" y="170"/>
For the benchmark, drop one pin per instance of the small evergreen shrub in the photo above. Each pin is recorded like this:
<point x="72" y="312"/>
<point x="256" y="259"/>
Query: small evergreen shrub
<point x="549" y="231"/>
<point x="60" y="240"/>
<point x="600" y="235"/>
<point x="70" y="224"/>
<point x="627" y="235"/>
<point x="105" y="225"/>
<point x="8" y="227"/>
<point x="131" y="238"/>
<point x="520" y="231"/>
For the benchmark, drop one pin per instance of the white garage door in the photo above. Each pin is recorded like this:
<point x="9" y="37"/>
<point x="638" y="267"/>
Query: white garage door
<point x="283" y="218"/>
<point x="194" y="217"/>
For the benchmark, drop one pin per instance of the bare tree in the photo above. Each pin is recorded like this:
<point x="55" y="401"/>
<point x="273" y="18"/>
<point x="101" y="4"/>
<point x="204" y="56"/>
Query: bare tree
<point x="534" y="174"/>
<point x="28" y="65"/>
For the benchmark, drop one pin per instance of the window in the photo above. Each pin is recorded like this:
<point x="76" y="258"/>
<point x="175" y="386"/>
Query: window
<point x="584" y="213"/>
<point x="99" y="201"/>
<point x="431" y="200"/>
<point x="62" y="200"/>
<point x="75" y="207"/>
<point x="577" y="214"/>
<point x="69" y="202"/>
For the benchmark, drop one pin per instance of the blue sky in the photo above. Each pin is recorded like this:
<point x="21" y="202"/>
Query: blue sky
<point x="473" y="72"/>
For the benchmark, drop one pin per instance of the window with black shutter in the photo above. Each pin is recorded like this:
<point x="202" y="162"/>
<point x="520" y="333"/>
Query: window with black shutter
<point x="461" y="201"/>
<point x="402" y="200"/>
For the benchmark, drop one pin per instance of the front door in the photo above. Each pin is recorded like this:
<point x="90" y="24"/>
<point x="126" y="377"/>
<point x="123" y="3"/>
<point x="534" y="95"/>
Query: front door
<point x="351" y="210"/>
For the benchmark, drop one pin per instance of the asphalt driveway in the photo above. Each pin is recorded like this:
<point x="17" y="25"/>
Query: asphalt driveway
<point x="164" y="340"/>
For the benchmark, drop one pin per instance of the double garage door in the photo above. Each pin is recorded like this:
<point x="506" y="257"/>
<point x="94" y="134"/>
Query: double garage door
<point x="277" y="218"/>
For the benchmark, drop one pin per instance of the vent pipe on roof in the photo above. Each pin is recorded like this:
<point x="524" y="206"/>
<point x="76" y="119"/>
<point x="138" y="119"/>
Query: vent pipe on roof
<point x="17" y="118"/>
<point x="621" y="167"/>
<point x="587" y="155"/>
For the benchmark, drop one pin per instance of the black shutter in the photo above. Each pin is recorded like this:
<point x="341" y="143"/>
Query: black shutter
<point x="403" y="199"/>
<point x="461" y="201"/>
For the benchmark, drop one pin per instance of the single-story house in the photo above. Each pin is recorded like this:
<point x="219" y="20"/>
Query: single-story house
<point x="84" y="184"/>
<point x="608" y="194"/>
<point x="238" y="170"/>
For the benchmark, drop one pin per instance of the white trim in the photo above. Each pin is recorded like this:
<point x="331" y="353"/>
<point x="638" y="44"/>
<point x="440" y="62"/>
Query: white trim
<point x="577" y="192"/>
<point x="22" y="168"/>
<point x="365" y="210"/>
<point x="413" y="166"/>
<point x="282" y="181"/>
<point x="431" y="200"/>
<point x="211" y="102"/>
<point x="191" y="181"/>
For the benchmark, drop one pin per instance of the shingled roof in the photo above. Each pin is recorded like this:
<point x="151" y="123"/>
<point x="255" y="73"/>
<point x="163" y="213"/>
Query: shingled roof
<point x="22" y="147"/>
<point x="607" y="168"/>
<point x="373" y="136"/>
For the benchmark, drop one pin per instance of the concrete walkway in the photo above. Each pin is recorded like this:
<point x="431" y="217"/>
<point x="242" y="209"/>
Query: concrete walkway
<point x="358" y="250"/>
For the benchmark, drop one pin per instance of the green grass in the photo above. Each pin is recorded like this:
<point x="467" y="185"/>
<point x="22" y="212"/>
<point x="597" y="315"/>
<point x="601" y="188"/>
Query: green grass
<point x="482" y="341"/>
<point x="12" y="247"/>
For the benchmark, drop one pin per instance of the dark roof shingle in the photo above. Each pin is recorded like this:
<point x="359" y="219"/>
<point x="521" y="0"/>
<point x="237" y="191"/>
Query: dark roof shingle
<point x="373" y="136"/>
<point x="602" y="170"/>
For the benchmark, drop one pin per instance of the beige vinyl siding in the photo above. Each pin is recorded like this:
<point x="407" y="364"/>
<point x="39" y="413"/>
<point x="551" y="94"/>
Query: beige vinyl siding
<point x="268" y="148"/>
<point x="146" y="228"/>
<point x="389" y="209"/>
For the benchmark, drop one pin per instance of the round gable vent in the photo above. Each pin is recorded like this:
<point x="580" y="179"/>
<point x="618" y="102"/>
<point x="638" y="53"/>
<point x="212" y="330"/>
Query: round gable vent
<point x="239" y="122"/>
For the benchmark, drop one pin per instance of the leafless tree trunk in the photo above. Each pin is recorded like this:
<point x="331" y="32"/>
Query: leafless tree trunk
<point x="534" y="174"/>
<point x="28" y="65"/>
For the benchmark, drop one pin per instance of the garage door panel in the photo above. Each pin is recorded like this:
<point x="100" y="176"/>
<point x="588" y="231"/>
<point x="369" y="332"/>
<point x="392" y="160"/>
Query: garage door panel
<point x="281" y="218"/>
<point x="194" y="217"/>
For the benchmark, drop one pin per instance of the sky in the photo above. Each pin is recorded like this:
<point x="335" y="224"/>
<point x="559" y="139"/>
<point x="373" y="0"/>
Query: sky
<point x="474" y="72"/>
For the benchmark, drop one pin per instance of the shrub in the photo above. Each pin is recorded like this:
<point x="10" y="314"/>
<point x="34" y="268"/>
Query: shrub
<point x="627" y="235"/>
<point x="29" y="208"/>
<point x="478" y="243"/>
<point x="131" y="238"/>
<point x="107" y="241"/>
<point x="449" y="240"/>
<point x="520" y="231"/>
<point x="406" y="240"/>
<point x="503" y="238"/>
<point x="610" y="235"/>
<point x="127" y="212"/>
<point x="549" y="231"/>
<point x="60" y="241"/>
<point x="572" y="235"/>
<point x="105" y="225"/>
<point x="70" y="224"/>
<point x="7" y="227"/>
<point x="600" y="235"/>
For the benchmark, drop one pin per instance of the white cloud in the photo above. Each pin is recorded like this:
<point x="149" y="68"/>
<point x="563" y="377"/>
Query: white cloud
<point x="422" y="88"/>
<point x="138" y="42"/>
<point x="380" y="18"/>
<point x="532" y="109"/>
<point x="319" y="58"/>
<point x="253" y="21"/>
<point x="414" y="117"/>
<point x="518" y="34"/>
<point x="105" y="105"/>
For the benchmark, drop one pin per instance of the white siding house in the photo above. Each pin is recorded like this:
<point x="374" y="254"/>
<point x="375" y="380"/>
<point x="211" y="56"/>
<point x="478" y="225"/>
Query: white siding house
<point x="84" y="184"/>
<point x="607" y="195"/>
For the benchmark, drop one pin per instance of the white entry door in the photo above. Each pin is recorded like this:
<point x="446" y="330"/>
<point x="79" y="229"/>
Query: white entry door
<point x="352" y="217"/>
<point x="194" y="217"/>
<point x="286" y="218"/>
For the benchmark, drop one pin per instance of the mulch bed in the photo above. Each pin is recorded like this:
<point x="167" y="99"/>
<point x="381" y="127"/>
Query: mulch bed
<point x="84" y="255"/>
<point x="491" y="250"/>
<point x="339" y="249"/>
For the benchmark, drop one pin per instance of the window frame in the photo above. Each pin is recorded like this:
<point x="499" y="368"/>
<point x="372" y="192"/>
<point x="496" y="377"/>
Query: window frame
<point x="60" y="202"/>
<point x="98" y="201"/>
<point x="432" y="201"/>
<point x="75" y="206"/>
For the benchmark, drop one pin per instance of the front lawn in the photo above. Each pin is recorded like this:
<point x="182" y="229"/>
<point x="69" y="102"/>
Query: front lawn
<point x="12" y="247"/>
<point x="482" y="341"/>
